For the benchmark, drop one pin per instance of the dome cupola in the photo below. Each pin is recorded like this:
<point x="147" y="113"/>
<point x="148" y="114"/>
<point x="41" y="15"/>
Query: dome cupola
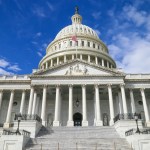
<point x="87" y="47"/>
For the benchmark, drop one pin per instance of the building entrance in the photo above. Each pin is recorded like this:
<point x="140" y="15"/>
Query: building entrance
<point x="77" y="118"/>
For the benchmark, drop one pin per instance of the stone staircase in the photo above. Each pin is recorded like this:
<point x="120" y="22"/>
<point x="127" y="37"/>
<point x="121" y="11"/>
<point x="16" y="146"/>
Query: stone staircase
<point x="78" y="138"/>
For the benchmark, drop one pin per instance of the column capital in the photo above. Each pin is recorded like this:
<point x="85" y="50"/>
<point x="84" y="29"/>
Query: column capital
<point x="142" y="89"/>
<point x="57" y="85"/>
<point x="83" y="85"/>
<point x="122" y="85"/>
<point x="96" y="85"/>
<point x="109" y="85"/>
<point x="44" y="85"/>
<point x="12" y="90"/>
<point x="70" y="85"/>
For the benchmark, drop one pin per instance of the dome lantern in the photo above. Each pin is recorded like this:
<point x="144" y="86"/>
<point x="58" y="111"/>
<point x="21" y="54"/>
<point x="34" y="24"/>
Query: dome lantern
<point x="76" y="18"/>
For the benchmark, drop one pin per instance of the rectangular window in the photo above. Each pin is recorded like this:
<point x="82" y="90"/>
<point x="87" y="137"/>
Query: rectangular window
<point x="88" y="44"/>
<point x="82" y="43"/>
<point x="70" y="43"/>
<point x="93" y="45"/>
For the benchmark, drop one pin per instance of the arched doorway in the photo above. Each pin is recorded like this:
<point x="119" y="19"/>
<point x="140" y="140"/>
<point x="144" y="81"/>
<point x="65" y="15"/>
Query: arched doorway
<point x="77" y="118"/>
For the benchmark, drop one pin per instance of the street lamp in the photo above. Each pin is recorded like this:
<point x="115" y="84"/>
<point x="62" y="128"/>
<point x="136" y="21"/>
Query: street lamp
<point x="19" y="119"/>
<point x="136" y="120"/>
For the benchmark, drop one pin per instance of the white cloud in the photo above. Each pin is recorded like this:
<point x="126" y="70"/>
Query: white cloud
<point x="135" y="53"/>
<point x="97" y="31"/>
<point x="96" y="15"/>
<point x="38" y="34"/>
<point x="3" y="72"/>
<point x="50" y="6"/>
<point x="39" y="11"/>
<point x="14" y="68"/>
<point x="3" y="63"/>
<point x="40" y="54"/>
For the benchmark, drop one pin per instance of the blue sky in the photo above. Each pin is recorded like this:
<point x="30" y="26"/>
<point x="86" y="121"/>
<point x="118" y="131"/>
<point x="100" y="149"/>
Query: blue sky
<point x="28" y="26"/>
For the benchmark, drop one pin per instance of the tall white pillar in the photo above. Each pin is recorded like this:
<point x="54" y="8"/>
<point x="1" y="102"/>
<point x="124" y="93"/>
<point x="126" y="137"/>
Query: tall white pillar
<point x="34" y="102"/>
<point x="120" y="103"/>
<point x="96" y="60"/>
<point x="145" y="106"/>
<point x="57" y="60"/>
<point x="133" y="109"/>
<point x="124" y="99"/>
<point x="31" y="100"/>
<point x="84" y="121"/>
<point x="22" y="101"/>
<point x="97" y="102"/>
<point x="46" y="65"/>
<point x="70" y="112"/>
<point x="8" y="118"/>
<point x="73" y="57"/>
<point x="65" y="58"/>
<point x="1" y="97"/>
<point x="89" y="58"/>
<point x="111" y="105"/>
<point x="81" y="56"/>
<point x="56" y="121"/>
<point x="43" y="110"/>
<point x="103" y="62"/>
<point x="107" y="64"/>
<point x="51" y="62"/>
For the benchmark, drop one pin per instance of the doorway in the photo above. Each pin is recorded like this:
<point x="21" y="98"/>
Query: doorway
<point x="77" y="118"/>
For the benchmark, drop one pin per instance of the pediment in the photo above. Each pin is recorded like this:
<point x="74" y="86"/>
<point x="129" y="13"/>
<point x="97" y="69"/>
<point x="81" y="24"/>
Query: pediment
<point x="79" y="68"/>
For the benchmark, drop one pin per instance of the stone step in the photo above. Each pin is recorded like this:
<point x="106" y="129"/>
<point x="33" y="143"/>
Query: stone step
<point x="86" y="138"/>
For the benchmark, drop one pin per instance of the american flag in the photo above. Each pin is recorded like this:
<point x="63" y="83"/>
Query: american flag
<point x="74" y="38"/>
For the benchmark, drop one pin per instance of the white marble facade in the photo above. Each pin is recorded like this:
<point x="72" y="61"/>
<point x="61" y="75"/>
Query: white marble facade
<point x="81" y="70"/>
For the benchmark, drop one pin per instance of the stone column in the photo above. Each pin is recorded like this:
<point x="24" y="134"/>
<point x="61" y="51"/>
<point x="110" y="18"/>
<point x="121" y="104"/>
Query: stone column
<point x="124" y="99"/>
<point x="73" y="57"/>
<point x="34" y="102"/>
<point x="22" y="101"/>
<point x="56" y="121"/>
<point x="65" y="59"/>
<point x="43" y="110"/>
<point x="107" y="64"/>
<point x="70" y="113"/>
<point x="81" y="56"/>
<point x="97" y="102"/>
<point x="111" y="105"/>
<point x="1" y="97"/>
<point x="120" y="103"/>
<point x="31" y="100"/>
<point x="51" y="62"/>
<point x="145" y="106"/>
<point x="96" y="60"/>
<point x="46" y="65"/>
<point x="103" y="62"/>
<point x="133" y="109"/>
<point x="8" y="118"/>
<point x="84" y="121"/>
<point x="89" y="58"/>
<point x="57" y="60"/>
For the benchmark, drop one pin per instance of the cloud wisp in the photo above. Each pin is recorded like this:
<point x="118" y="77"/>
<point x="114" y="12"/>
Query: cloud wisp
<point x="8" y="68"/>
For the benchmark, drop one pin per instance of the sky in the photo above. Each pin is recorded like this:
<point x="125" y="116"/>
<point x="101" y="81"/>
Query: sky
<point x="28" y="26"/>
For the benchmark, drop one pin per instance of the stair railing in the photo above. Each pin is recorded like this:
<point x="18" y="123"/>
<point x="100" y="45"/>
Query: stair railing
<point x="114" y="146"/>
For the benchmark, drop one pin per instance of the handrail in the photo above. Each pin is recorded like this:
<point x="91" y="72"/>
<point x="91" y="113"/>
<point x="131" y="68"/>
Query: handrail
<point x="29" y="117"/>
<point x="127" y="116"/>
<point x="22" y="132"/>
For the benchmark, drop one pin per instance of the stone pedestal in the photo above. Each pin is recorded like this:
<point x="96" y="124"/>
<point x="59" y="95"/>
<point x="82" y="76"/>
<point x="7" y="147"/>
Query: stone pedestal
<point x="84" y="123"/>
<point x="70" y="123"/>
<point x="56" y="123"/>
<point x="111" y="122"/>
<point x="7" y="125"/>
<point x="99" y="123"/>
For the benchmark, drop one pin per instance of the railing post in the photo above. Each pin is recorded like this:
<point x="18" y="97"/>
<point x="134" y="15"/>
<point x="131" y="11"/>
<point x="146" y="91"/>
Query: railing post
<point x="114" y="146"/>
<point x="58" y="146"/>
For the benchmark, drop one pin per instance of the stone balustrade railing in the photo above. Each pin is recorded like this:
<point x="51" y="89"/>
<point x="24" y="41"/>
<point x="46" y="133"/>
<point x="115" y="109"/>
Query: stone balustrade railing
<point x="128" y="116"/>
<point x="15" y="77"/>
<point x="12" y="132"/>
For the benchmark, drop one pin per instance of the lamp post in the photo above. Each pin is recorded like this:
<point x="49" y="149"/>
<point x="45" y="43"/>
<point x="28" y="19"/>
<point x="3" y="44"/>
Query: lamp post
<point x="19" y="119"/>
<point x="136" y="120"/>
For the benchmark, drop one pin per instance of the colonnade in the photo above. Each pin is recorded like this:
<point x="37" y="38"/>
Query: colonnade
<point x="33" y="100"/>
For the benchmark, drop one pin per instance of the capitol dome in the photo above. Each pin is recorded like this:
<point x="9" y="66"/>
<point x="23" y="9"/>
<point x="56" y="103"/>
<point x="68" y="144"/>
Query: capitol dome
<point x="77" y="42"/>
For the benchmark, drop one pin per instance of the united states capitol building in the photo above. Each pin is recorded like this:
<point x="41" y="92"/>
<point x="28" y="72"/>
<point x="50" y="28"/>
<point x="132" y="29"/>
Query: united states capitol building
<point x="76" y="99"/>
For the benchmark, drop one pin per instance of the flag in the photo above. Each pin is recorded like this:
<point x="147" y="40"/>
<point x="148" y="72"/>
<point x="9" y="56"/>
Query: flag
<point x="74" y="38"/>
